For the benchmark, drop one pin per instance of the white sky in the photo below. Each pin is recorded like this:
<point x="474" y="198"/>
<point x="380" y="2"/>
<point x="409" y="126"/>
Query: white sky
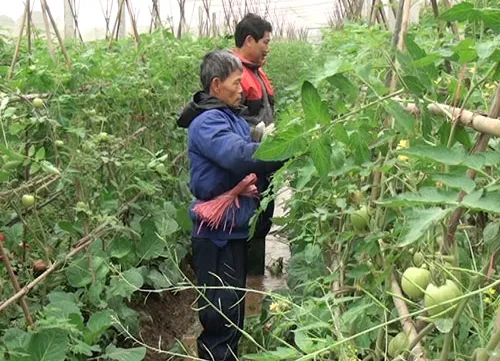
<point x="307" y="13"/>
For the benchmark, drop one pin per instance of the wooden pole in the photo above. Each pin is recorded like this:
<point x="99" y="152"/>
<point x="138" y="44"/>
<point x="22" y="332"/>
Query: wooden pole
<point x="19" y="39"/>
<point x="133" y="22"/>
<point x="46" y="8"/>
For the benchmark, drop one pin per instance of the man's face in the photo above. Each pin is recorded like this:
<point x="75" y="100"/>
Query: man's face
<point x="228" y="91"/>
<point x="259" y="49"/>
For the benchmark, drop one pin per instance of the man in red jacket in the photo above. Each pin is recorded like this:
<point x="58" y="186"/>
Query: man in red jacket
<point x="252" y="37"/>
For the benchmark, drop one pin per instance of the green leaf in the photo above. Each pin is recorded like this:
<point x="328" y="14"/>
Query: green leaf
<point x="125" y="354"/>
<point x="303" y="341"/>
<point x="340" y="133"/>
<point x="120" y="247"/>
<point x="403" y="121"/>
<point x="444" y="325"/>
<point x="361" y="151"/>
<point x="491" y="232"/>
<point x="460" y="12"/>
<point x="419" y="222"/>
<point x="425" y="196"/>
<point x="442" y="155"/>
<point x="315" y="109"/>
<point x="321" y="151"/>
<point x="455" y="181"/>
<point x="487" y="202"/>
<point x="40" y="154"/>
<point x="486" y="48"/>
<point x="48" y="345"/>
<point x="284" y="145"/>
<point x="158" y="279"/>
<point x="16" y="339"/>
<point x="150" y="245"/>
<point x="78" y="273"/>
<point x="126" y="283"/>
<point x="345" y="86"/>
<point x="281" y="353"/>
<point x="426" y="60"/>
<point x="97" y="324"/>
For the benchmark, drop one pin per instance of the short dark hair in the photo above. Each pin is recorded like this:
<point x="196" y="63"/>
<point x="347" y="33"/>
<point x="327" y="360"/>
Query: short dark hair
<point x="252" y="25"/>
<point x="218" y="64"/>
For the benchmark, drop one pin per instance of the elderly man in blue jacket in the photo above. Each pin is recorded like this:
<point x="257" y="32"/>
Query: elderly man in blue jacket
<point x="221" y="152"/>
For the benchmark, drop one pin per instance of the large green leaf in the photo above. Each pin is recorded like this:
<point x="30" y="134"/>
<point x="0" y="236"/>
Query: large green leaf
<point x="97" y="324"/>
<point x="455" y="181"/>
<point x="16" y="339"/>
<point x="125" y="354"/>
<point x="425" y="196"/>
<point x="79" y="274"/>
<point x="281" y="353"/>
<point x="321" y="151"/>
<point x="479" y="201"/>
<point x="403" y="121"/>
<point x="443" y="155"/>
<point x="48" y="345"/>
<point x="360" y="147"/>
<point x="419" y="222"/>
<point x="126" y="283"/>
<point x="150" y="245"/>
<point x="315" y="109"/>
<point x="284" y="145"/>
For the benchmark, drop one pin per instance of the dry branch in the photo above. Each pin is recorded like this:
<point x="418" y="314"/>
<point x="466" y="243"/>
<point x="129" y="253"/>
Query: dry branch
<point x="80" y="245"/>
<point x="406" y="322"/>
<point x="15" y="284"/>
<point x="19" y="39"/>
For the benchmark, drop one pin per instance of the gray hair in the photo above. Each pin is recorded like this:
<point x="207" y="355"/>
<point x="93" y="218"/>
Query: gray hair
<point x="218" y="64"/>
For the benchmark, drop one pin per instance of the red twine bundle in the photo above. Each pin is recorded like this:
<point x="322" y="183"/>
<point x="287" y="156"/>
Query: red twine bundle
<point x="212" y="212"/>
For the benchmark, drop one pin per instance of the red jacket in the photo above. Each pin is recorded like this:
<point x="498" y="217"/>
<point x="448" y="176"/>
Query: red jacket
<point x="252" y="88"/>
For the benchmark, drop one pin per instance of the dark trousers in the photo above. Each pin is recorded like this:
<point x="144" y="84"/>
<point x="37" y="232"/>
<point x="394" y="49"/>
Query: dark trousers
<point x="219" y="340"/>
<point x="257" y="245"/>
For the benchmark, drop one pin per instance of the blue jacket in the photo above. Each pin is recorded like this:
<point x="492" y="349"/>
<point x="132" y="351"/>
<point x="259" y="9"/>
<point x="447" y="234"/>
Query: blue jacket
<point x="220" y="155"/>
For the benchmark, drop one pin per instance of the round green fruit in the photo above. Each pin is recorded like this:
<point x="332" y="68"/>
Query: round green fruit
<point x="418" y="259"/>
<point x="437" y="296"/>
<point x="415" y="281"/>
<point x="59" y="143"/>
<point x="398" y="345"/>
<point x="360" y="219"/>
<point x="28" y="200"/>
<point x="37" y="103"/>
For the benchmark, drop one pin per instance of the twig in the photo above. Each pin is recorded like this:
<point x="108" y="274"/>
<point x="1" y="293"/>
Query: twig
<point x="15" y="284"/>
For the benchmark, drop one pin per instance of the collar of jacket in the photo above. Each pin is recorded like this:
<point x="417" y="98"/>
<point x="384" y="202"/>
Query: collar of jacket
<point x="246" y="62"/>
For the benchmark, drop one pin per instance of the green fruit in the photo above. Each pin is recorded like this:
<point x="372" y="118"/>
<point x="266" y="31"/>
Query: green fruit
<point x="103" y="136"/>
<point x="37" y="103"/>
<point x="414" y="282"/>
<point x="418" y="259"/>
<point x="59" y="143"/>
<point x="436" y="296"/>
<point x="398" y="344"/>
<point x="360" y="219"/>
<point x="28" y="200"/>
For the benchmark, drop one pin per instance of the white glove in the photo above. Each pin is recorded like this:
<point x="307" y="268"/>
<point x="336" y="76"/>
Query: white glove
<point x="269" y="130"/>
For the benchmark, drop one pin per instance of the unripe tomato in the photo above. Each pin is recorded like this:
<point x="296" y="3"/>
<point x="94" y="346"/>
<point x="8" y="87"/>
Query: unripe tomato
<point x="28" y="200"/>
<point x="37" y="103"/>
<point x="360" y="219"/>
<point x="398" y="344"/>
<point x="435" y="295"/>
<point x="418" y="259"/>
<point x="59" y="143"/>
<point x="414" y="282"/>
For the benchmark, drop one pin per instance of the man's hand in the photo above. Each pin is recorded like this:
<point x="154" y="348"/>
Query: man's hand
<point x="261" y="131"/>
<point x="269" y="130"/>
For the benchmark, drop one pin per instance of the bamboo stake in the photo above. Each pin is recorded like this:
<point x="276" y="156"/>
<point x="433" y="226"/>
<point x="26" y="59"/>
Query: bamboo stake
<point x="406" y="322"/>
<point x="80" y="245"/>
<point x="75" y="20"/>
<point x="134" y="25"/>
<point x="18" y="44"/>
<point x="480" y="146"/>
<point x="48" y="35"/>
<point x="46" y="8"/>
<point x="15" y="284"/>
<point x="28" y="32"/>
<point x="474" y="120"/>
